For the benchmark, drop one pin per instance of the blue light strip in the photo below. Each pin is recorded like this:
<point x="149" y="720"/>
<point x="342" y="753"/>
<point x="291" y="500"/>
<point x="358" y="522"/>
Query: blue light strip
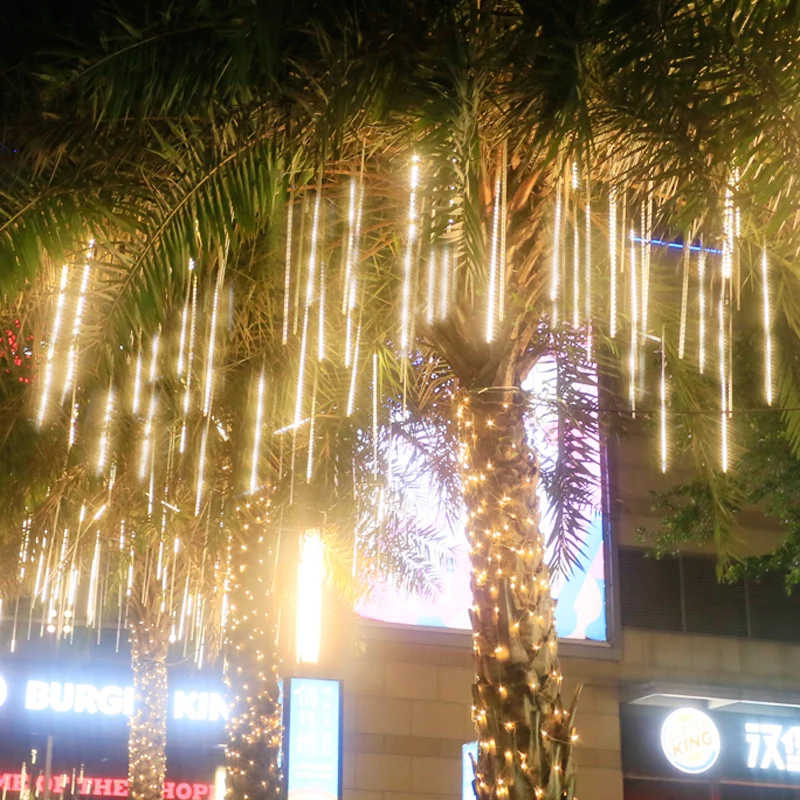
<point x="678" y="245"/>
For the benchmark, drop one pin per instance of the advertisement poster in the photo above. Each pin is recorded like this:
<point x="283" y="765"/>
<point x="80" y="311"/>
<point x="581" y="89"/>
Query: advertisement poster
<point x="314" y="742"/>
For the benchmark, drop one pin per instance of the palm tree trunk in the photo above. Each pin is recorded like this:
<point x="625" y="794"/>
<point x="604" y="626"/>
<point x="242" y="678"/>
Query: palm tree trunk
<point x="147" y="740"/>
<point x="254" y="724"/>
<point x="525" y="733"/>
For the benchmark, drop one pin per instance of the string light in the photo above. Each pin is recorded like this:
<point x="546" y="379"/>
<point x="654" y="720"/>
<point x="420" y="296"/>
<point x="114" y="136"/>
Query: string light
<point x="634" y="327"/>
<point x="576" y="254"/>
<point x="321" y="319"/>
<point x="76" y="325"/>
<point x="491" y="301"/>
<point x="287" y="277"/>
<point x="51" y="348"/>
<point x="187" y="389"/>
<point x="684" y="300"/>
<point x="408" y="260"/>
<point x="663" y="398"/>
<point x="701" y="278"/>
<point x="555" y="278"/>
<point x="351" y="397"/>
<point x="612" y="259"/>
<point x="137" y="384"/>
<point x="501" y="258"/>
<point x="722" y="382"/>
<point x="257" y="434"/>
<point x="767" y="328"/>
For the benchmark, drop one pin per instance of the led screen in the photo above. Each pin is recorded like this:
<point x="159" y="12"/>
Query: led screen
<point x="314" y="745"/>
<point x="581" y="594"/>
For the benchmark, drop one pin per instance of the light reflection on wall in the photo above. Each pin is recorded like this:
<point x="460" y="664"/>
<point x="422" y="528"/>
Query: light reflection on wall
<point x="581" y="611"/>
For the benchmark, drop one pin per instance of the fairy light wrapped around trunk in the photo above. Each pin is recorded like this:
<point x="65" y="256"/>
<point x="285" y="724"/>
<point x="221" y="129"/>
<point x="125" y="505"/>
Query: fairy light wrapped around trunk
<point x="525" y="734"/>
<point x="254" y="726"/>
<point x="148" y="725"/>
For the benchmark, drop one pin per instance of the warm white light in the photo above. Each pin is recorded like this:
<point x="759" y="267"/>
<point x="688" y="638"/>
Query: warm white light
<point x="76" y="328"/>
<point x="767" y="328"/>
<point x="684" y="300"/>
<point x="310" y="576"/>
<point x="287" y="277"/>
<point x="663" y="398"/>
<point x="612" y="259"/>
<point x="576" y="253"/>
<point x="351" y="397"/>
<point x="556" y="262"/>
<point x="51" y="348"/>
<point x="491" y="296"/>
<point x="220" y="783"/>
<point x="257" y="434"/>
<point x="408" y="260"/>
<point x="722" y="386"/>
<point x="634" y="326"/>
<point x="701" y="278"/>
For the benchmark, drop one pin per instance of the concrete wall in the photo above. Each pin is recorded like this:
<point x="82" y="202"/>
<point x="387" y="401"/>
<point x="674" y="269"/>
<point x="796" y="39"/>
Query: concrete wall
<point x="407" y="695"/>
<point x="407" y="701"/>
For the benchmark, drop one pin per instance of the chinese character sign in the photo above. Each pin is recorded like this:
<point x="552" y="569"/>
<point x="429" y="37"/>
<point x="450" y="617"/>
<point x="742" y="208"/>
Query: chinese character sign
<point x="773" y="746"/>
<point x="313" y="732"/>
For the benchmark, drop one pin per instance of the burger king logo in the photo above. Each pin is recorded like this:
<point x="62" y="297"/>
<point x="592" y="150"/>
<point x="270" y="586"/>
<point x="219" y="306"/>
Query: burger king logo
<point x="690" y="740"/>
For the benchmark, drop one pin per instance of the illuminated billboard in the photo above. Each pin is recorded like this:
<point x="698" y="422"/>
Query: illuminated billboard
<point x="581" y="594"/>
<point x="313" y="739"/>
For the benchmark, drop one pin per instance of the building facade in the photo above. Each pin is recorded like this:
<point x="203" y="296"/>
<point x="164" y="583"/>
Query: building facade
<point x="694" y="695"/>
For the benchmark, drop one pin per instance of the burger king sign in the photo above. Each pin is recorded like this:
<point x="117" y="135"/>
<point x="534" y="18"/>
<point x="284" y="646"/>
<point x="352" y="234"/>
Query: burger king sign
<point x="690" y="740"/>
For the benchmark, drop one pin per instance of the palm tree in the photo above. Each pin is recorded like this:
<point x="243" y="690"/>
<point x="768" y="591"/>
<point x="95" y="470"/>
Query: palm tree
<point x="138" y="505"/>
<point x="485" y="136"/>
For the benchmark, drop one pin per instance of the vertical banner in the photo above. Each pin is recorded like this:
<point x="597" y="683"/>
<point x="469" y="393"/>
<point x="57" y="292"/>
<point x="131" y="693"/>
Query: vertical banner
<point x="314" y="736"/>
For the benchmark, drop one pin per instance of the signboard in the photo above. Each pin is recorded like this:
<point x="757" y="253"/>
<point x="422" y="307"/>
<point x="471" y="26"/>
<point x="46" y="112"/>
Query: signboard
<point x="690" y="740"/>
<point x="110" y="700"/>
<point x="313" y="739"/>
<point x="469" y="751"/>
<point x="725" y="745"/>
<point x="12" y="782"/>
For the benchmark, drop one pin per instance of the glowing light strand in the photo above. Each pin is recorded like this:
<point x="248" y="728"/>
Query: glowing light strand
<point x="612" y="260"/>
<point x="501" y="256"/>
<point x="321" y="317"/>
<point x="51" y="348"/>
<point x="663" y="399"/>
<point x="634" y="299"/>
<point x="555" y="277"/>
<point x="187" y="389"/>
<point x="77" y="322"/>
<point x="701" y="279"/>
<point x="576" y="252"/>
<point x="684" y="301"/>
<point x="408" y="261"/>
<point x="767" y="315"/>
<point x="722" y="382"/>
<point x="287" y="276"/>
<point x="301" y="368"/>
<point x="491" y="297"/>
<point x="257" y="433"/>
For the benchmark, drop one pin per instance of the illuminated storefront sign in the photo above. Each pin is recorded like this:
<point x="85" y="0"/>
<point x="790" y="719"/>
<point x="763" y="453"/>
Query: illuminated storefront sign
<point x="112" y="700"/>
<point x="773" y="746"/>
<point x="100" y="787"/>
<point x="690" y="740"/>
<point x="314" y="746"/>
